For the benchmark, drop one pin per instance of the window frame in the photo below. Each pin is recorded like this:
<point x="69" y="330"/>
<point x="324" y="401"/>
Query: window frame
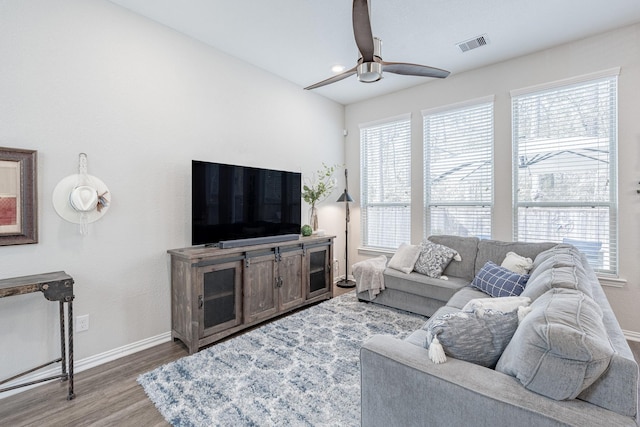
<point x="580" y="82"/>
<point x="366" y="204"/>
<point x="468" y="108"/>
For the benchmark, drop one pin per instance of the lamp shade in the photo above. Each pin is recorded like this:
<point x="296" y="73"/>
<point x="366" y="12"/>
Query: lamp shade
<point x="345" y="197"/>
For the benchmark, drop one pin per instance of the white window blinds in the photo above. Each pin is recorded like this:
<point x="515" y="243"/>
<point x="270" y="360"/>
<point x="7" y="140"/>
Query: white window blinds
<point x="564" y="171"/>
<point x="385" y="157"/>
<point x="458" y="169"/>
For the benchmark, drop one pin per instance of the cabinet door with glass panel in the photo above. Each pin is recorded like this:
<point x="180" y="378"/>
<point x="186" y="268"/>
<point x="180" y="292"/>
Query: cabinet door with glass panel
<point x="318" y="263"/>
<point x="220" y="297"/>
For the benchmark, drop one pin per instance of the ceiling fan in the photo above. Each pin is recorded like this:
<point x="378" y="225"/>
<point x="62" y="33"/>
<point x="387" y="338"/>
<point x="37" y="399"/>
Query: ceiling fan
<point x="370" y="65"/>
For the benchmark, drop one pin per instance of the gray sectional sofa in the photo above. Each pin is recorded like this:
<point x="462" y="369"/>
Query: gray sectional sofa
<point x="402" y="386"/>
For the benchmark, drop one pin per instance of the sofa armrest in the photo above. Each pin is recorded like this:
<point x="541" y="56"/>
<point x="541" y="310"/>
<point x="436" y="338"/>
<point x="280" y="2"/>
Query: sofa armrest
<point x="401" y="386"/>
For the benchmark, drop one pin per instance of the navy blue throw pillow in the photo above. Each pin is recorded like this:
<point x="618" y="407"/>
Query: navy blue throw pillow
<point x="499" y="281"/>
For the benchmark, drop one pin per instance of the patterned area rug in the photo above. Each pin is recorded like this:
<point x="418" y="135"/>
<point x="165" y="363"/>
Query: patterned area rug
<point x="301" y="370"/>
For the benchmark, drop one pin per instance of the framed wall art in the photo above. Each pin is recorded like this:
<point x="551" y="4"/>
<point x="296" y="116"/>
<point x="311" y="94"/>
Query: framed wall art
<point x="18" y="196"/>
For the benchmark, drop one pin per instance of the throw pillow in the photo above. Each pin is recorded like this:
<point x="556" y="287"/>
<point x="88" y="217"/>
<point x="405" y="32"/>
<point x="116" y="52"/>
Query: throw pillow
<point x="471" y="337"/>
<point x="405" y="258"/>
<point x="561" y="347"/>
<point x="516" y="263"/>
<point x="504" y="304"/>
<point x="499" y="281"/>
<point x="434" y="258"/>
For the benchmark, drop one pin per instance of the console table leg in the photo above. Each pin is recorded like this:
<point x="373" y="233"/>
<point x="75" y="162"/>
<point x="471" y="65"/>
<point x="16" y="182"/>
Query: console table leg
<point x="71" y="394"/>
<point x="63" y="348"/>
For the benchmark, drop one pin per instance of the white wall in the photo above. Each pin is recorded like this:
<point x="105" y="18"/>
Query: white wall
<point x="142" y="101"/>
<point x="620" y="48"/>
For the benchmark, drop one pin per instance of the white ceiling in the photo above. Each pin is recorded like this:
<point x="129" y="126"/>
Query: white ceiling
<point x="300" y="40"/>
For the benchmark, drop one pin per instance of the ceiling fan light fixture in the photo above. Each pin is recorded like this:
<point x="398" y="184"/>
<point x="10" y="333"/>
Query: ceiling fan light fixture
<point x="369" y="72"/>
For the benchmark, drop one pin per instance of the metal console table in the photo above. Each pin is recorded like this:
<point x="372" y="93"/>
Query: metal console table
<point x="57" y="286"/>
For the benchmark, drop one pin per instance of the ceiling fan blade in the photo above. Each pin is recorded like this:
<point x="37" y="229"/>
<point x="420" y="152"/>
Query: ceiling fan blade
<point x="333" y="79"/>
<point x="362" y="29"/>
<point x="414" y="70"/>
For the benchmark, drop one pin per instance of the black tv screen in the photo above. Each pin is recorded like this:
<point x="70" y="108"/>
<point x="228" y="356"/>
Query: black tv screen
<point x="237" y="202"/>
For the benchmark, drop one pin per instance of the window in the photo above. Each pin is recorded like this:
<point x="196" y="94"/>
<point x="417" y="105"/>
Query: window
<point x="564" y="168"/>
<point x="458" y="169"/>
<point x="385" y="157"/>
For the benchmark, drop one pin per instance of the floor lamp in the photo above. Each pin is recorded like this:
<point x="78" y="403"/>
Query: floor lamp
<point x="346" y="198"/>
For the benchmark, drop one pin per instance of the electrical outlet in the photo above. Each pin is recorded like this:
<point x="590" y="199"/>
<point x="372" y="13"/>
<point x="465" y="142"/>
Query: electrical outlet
<point x="82" y="323"/>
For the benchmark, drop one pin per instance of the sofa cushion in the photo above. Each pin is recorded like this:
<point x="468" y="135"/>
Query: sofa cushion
<point x="496" y="251"/>
<point x="622" y="375"/>
<point x="434" y="258"/>
<point x="517" y="263"/>
<point x="417" y="337"/>
<point x="558" y="256"/>
<point x="421" y="285"/>
<point x="464" y="295"/>
<point x="566" y="277"/>
<point x="405" y="258"/>
<point x="561" y="347"/>
<point x="473" y="336"/>
<point x="499" y="281"/>
<point x="467" y="247"/>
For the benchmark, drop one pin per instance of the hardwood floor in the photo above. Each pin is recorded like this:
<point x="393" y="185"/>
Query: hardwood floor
<point x="107" y="395"/>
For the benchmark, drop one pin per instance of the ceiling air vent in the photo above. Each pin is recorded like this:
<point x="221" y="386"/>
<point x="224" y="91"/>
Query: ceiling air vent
<point x="473" y="43"/>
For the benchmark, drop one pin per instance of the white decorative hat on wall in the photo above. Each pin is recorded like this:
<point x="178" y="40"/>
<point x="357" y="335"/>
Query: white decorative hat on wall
<point x="81" y="198"/>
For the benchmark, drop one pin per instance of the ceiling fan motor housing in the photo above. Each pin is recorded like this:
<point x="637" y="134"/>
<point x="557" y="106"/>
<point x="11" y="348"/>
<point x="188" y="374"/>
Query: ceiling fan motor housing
<point x="369" y="72"/>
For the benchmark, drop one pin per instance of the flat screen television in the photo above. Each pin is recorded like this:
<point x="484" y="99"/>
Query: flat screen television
<point x="231" y="202"/>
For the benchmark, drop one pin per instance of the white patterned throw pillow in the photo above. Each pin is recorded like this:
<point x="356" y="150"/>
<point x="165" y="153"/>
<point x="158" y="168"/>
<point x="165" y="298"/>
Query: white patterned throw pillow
<point x="434" y="258"/>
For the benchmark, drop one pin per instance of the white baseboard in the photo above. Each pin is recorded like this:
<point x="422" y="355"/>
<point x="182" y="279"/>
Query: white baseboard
<point x="631" y="335"/>
<point x="86" y="363"/>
